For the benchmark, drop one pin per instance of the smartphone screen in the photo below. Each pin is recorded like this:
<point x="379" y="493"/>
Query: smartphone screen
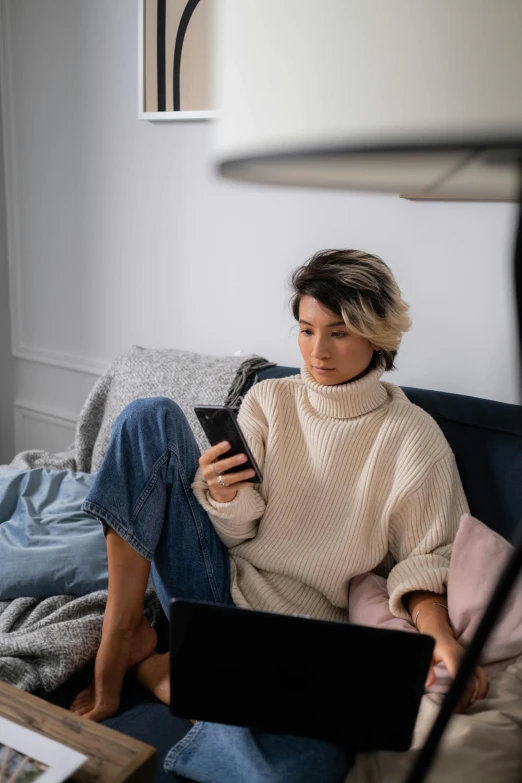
<point x="219" y="423"/>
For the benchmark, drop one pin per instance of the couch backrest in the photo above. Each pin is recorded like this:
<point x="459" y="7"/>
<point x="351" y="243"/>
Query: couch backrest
<point x="486" y="437"/>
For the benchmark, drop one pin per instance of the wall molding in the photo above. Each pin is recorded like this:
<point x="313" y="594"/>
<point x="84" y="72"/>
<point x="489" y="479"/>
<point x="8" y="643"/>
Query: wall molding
<point x="49" y="415"/>
<point x="19" y="348"/>
<point x="60" y="359"/>
<point x="27" y="411"/>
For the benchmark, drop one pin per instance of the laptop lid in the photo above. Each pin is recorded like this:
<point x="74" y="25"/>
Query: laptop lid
<point x="344" y="683"/>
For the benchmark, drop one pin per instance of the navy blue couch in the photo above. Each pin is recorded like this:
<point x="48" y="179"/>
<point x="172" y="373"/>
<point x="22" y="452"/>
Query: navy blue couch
<point x="486" y="438"/>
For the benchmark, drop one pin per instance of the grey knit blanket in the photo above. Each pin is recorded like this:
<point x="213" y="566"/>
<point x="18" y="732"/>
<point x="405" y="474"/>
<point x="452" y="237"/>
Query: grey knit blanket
<point x="43" y="642"/>
<point x="188" y="378"/>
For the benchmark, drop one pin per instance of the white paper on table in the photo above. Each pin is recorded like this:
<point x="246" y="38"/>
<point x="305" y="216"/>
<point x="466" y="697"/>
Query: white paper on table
<point x="61" y="760"/>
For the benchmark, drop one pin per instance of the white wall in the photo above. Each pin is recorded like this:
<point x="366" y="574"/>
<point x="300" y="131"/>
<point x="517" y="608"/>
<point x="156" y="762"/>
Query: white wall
<point x="125" y="235"/>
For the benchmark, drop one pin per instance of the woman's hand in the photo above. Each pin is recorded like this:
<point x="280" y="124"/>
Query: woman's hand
<point x="430" y="616"/>
<point x="212" y="466"/>
<point x="449" y="652"/>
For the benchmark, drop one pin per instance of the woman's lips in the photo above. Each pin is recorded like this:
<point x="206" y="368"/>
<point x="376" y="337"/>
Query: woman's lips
<point x="324" y="370"/>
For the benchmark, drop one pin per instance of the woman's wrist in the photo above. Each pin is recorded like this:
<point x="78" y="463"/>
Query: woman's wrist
<point x="429" y="613"/>
<point x="435" y="623"/>
<point x="433" y="619"/>
<point x="221" y="498"/>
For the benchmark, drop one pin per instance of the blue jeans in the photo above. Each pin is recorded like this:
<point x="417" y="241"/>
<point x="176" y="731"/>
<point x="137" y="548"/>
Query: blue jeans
<point x="142" y="490"/>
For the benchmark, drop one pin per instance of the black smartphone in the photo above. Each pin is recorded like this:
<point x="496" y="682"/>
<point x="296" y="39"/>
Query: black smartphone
<point x="219" y="423"/>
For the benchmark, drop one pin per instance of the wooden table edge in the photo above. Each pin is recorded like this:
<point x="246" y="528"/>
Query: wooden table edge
<point x="73" y="727"/>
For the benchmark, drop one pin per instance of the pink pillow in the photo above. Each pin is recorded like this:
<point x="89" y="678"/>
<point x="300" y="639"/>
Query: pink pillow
<point x="369" y="604"/>
<point x="477" y="559"/>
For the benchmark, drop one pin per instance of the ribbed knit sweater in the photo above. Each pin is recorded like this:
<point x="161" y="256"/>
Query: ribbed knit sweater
<point x="355" y="478"/>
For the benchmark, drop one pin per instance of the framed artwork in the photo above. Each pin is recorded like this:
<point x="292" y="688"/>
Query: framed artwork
<point x="26" y="756"/>
<point x="174" y="62"/>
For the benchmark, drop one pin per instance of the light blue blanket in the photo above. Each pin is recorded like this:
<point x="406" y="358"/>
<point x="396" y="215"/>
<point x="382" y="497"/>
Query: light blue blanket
<point x="48" y="545"/>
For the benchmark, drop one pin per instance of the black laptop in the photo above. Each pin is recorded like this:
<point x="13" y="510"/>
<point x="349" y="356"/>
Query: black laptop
<point x="352" y="685"/>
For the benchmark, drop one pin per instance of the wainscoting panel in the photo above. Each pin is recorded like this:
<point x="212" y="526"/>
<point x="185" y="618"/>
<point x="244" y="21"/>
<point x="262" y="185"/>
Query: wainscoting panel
<point x="37" y="428"/>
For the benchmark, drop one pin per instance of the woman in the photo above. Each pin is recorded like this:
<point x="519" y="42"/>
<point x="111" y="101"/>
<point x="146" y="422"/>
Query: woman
<point x="355" y="478"/>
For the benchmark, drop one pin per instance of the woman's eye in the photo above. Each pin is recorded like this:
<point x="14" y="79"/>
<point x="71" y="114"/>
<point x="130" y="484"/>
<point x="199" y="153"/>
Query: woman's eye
<point x="339" y="334"/>
<point x="306" y="331"/>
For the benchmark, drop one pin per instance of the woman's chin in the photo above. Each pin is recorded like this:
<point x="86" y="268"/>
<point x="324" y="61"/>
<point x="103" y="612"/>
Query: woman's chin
<point x="328" y="378"/>
<point x="334" y="377"/>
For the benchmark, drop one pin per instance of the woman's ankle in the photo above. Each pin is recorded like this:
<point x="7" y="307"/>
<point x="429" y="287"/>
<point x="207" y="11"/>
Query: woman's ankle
<point x="123" y="623"/>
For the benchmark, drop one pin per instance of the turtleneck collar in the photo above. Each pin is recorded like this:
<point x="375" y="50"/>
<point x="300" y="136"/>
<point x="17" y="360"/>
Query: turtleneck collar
<point x="346" y="400"/>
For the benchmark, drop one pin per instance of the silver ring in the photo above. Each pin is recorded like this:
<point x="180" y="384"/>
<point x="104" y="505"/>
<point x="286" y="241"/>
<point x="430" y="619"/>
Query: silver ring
<point x="221" y="482"/>
<point x="214" y="469"/>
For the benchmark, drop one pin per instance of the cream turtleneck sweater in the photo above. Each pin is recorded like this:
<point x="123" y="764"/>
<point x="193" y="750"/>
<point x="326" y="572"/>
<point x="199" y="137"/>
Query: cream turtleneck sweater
<point x="354" y="477"/>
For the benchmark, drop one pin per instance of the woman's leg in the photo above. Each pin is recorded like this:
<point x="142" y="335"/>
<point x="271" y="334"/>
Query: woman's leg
<point x="127" y="638"/>
<point x="215" y="753"/>
<point x="142" y="493"/>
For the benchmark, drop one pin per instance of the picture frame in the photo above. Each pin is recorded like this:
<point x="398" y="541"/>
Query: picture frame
<point x="166" y="80"/>
<point x="28" y="755"/>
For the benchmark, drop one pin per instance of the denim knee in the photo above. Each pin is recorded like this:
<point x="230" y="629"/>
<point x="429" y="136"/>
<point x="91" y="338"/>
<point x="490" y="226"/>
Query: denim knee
<point x="150" y="407"/>
<point x="152" y="414"/>
<point x="158" y="423"/>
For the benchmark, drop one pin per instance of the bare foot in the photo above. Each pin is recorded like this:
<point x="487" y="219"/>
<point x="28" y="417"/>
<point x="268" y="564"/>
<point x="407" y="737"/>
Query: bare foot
<point x="154" y="674"/>
<point x="118" y="652"/>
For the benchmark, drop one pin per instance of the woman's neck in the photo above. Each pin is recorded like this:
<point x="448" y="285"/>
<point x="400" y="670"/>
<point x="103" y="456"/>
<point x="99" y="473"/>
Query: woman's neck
<point x="356" y="378"/>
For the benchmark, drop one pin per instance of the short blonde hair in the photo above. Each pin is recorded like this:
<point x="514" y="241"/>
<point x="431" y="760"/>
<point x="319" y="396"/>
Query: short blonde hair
<point x="361" y="289"/>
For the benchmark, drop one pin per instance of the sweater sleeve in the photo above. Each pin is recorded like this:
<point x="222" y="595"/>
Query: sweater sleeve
<point x="421" y="534"/>
<point x="238" y="520"/>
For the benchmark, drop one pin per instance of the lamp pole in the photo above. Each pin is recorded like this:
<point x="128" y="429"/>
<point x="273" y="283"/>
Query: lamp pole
<point x="502" y="589"/>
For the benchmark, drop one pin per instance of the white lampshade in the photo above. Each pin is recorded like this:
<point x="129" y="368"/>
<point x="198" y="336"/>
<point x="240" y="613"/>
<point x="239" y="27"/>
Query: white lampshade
<point x="397" y="95"/>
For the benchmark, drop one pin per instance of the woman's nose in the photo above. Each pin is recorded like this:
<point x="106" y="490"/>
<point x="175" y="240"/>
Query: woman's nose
<point x="320" y="349"/>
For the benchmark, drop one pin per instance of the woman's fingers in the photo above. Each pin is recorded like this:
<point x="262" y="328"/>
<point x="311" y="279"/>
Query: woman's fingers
<point x="467" y="697"/>
<point x="231" y="478"/>
<point x="483" y="683"/>
<point x="212" y="454"/>
<point x="451" y="653"/>
<point x="223" y="465"/>
<point x="430" y="679"/>
<point x="476" y="688"/>
<point x="213" y="468"/>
